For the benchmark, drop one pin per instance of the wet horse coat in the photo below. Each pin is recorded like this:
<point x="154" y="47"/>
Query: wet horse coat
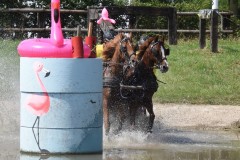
<point x="117" y="55"/>
<point x="151" y="53"/>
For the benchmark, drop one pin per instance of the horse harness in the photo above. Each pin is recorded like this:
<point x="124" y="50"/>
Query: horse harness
<point x="165" y="51"/>
<point x="118" y="81"/>
<point x="142" y="83"/>
<point x="110" y="81"/>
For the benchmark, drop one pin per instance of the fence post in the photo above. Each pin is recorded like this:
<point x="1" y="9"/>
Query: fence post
<point x="92" y="16"/>
<point x="214" y="31"/>
<point x="203" y="14"/>
<point x="40" y="23"/>
<point x="202" y="33"/>
<point x="214" y="27"/>
<point x="172" y="26"/>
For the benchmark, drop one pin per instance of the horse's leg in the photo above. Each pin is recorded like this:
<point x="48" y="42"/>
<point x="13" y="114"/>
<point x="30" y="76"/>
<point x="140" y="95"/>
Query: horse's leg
<point x="106" y="111"/>
<point x="143" y="109"/>
<point x="120" y="115"/>
<point x="149" y="107"/>
<point x="133" y="110"/>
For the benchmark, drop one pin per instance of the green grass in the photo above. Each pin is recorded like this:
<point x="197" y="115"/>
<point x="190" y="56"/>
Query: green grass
<point x="195" y="76"/>
<point x="9" y="70"/>
<point x="199" y="76"/>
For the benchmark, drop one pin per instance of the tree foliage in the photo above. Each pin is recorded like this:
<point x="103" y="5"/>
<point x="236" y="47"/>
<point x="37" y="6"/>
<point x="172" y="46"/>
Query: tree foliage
<point x="29" y="20"/>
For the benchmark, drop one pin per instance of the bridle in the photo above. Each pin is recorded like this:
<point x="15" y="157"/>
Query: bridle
<point x="126" y="63"/>
<point x="123" y="49"/>
<point x="162" y="49"/>
<point x="159" y="53"/>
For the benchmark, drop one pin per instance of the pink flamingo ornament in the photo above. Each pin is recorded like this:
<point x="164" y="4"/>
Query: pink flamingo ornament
<point x="105" y="17"/>
<point x="38" y="104"/>
<point x="56" y="28"/>
<point x="55" y="46"/>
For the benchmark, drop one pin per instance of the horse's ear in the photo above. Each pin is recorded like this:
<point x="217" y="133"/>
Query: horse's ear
<point x="161" y="38"/>
<point x="156" y="38"/>
<point x="121" y="35"/>
<point x="130" y="36"/>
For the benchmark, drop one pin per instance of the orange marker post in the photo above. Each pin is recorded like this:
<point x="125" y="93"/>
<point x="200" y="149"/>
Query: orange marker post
<point x="91" y="41"/>
<point x="77" y="45"/>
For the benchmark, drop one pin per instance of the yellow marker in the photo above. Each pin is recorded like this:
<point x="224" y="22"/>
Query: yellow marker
<point x="99" y="50"/>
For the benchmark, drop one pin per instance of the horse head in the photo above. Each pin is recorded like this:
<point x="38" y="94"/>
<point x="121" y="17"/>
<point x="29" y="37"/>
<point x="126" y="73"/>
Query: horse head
<point x="119" y="55"/>
<point x="109" y="47"/>
<point x="153" y="52"/>
<point x="160" y="51"/>
<point x="124" y="53"/>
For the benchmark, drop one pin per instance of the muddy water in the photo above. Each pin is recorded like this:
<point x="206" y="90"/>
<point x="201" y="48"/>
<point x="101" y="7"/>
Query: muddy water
<point x="164" y="143"/>
<point x="172" y="144"/>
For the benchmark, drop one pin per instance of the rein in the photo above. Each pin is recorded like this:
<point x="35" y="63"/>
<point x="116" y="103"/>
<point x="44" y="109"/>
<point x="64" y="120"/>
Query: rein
<point x="161" y="81"/>
<point x="138" y="79"/>
<point x="113" y="81"/>
<point x="124" y="50"/>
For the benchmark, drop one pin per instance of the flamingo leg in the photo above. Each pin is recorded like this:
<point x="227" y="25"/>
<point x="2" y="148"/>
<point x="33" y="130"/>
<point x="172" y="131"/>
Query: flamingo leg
<point x="36" y="138"/>
<point x="38" y="132"/>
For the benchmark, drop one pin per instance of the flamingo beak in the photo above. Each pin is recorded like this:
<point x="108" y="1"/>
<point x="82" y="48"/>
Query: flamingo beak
<point x="47" y="72"/>
<point x="56" y="7"/>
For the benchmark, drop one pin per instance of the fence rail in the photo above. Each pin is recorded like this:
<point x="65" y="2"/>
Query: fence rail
<point x="22" y="10"/>
<point x="118" y="30"/>
<point x="38" y="29"/>
<point x="85" y="12"/>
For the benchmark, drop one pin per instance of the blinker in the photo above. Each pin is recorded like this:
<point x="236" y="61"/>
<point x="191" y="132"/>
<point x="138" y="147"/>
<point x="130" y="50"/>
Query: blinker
<point x="167" y="52"/>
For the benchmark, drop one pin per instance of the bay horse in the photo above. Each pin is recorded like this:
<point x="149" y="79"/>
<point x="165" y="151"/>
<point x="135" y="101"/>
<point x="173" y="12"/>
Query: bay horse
<point x="152" y="53"/>
<point x="118" y="56"/>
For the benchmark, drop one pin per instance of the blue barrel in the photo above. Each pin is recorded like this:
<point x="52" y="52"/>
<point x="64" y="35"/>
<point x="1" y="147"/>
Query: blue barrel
<point x="73" y="122"/>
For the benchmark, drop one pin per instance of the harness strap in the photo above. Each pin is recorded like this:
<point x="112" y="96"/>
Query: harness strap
<point x="161" y="81"/>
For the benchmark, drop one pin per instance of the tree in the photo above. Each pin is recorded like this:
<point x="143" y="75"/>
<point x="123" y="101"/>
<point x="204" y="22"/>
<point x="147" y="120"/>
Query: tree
<point x="233" y="6"/>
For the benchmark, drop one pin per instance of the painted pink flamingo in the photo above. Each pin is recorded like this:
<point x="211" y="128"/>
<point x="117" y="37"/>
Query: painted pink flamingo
<point x="38" y="104"/>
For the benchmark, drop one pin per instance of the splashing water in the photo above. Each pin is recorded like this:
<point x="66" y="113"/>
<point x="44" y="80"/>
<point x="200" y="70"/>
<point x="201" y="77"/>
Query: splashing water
<point x="131" y="139"/>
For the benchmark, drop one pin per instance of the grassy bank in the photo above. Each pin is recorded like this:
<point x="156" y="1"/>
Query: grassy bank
<point x="200" y="77"/>
<point x="9" y="71"/>
<point x="196" y="76"/>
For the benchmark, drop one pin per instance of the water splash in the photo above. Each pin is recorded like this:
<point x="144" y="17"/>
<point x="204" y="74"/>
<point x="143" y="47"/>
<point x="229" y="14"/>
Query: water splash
<point x="131" y="139"/>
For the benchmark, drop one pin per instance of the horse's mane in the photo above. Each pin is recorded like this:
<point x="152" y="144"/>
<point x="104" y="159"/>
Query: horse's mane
<point x="109" y="47"/>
